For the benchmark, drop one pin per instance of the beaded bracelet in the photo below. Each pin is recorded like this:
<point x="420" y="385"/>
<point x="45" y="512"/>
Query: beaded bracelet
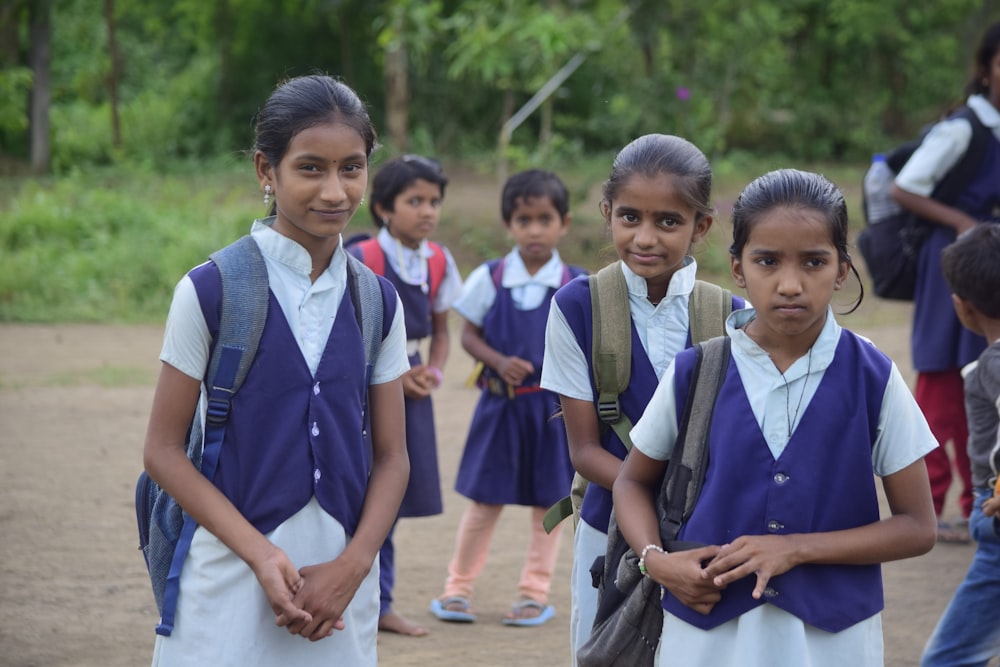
<point x="642" y="557"/>
<point x="436" y="372"/>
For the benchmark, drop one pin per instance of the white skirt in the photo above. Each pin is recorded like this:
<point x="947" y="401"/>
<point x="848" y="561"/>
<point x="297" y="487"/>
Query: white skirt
<point x="223" y="616"/>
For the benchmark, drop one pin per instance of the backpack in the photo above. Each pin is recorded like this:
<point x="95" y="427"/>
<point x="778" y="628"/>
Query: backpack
<point x="629" y="616"/>
<point x="370" y="252"/>
<point x="611" y="354"/>
<point x="891" y="246"/>
<point x="165" y="530"/>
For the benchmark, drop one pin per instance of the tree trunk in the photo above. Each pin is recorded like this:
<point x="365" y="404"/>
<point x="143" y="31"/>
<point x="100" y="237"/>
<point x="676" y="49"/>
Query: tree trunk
<point x="114" y="76"/>
<point x="397" y="92"/>
<point x="39" y="31"/>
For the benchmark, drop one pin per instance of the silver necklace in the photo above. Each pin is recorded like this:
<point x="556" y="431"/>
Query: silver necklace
<point x="791" y="418"/>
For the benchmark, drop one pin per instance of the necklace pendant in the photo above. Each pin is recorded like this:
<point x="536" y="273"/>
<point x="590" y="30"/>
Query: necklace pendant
<point x="424" y="288"/>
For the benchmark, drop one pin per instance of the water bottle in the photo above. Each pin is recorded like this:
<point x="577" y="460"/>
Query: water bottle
<point x="878" y="190"/>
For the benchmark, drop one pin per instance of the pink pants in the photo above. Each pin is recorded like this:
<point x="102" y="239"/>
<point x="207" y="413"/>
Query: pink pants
<point x="472" y="544"/>
<point x="941" y="398"/>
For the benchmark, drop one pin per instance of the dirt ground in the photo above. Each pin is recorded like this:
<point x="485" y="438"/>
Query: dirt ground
<point x="73" y="587"/>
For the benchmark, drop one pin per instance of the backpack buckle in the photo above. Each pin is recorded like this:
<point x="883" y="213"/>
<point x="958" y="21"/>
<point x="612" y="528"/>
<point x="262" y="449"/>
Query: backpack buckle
<point x="609" y="411"/>
<point x="218" y="410"/>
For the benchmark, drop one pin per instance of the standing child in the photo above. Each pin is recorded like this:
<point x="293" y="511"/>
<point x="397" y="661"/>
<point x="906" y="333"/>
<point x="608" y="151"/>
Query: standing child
<point x="968" y="632"/>
<point x="789" y="513"/>
<point x="940" y="345"/>
<point x="405" y="203"/>
<point x="657" y="206"/>
<point x="515" y="453"/>
<point x="291" y="523"/>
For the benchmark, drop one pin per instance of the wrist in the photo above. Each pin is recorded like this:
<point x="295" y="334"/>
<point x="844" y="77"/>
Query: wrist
<point x="642" y="557"/>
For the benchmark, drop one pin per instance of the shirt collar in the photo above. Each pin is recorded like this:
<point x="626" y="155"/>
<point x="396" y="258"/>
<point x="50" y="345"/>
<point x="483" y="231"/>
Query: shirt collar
<point x="283" y="250"/>
<point x="988" y="114"/>
<point x="823" y="349"/>
<point x="681" y="283"/>
<point x="515" y="273"/>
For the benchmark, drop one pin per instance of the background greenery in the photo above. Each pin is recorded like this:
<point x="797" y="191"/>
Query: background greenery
<point x="757" y="84"/>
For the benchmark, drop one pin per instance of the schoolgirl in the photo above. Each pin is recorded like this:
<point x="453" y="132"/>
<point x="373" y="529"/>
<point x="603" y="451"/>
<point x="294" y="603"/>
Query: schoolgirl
<point x="789" y="514"/>
<point x="515" y="453"/>
<point x="405" y="203"/>
<point x="657" y="206"/>
<point x="282" y="569"/>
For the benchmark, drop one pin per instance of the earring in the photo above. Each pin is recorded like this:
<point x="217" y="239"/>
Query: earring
<point x="267" y="196"/>
<point x="361" y="203"/>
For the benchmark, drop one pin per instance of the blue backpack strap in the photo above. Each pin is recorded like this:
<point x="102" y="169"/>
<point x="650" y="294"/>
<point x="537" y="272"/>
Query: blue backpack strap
<point x="245" y="295"/>
<point x="366" y="295"/>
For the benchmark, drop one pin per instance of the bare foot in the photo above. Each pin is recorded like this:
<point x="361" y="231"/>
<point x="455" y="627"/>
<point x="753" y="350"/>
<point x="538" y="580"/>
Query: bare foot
<point x="393" y="622"/>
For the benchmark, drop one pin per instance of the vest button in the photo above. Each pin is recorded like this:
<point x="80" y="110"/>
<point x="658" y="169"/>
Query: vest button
<point x="780" y="478"/>
<point x="770" y="592"/>
<point x="317" y="474"/>
<point x="774" y="526"/>
<point x="316" y="389"/>
<point x="315" y="429"/>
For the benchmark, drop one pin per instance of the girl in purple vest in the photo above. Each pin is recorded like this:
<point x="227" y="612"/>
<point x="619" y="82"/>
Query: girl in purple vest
<point x="790" y="572"/>
<point x="281" y="569"/>
<point x="657" y="205"/>
<point x="515" y="453"/>
<point x="405" y="203"/>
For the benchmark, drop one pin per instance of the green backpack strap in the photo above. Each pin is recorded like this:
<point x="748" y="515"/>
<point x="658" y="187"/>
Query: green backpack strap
<point x="708" y="309"/>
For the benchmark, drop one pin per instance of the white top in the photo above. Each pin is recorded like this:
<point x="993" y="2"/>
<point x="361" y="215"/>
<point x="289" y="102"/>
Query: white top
<point x="526" y="290"/>
<point x="411" y="266"/>
<point x="310" y="309"/>
<point x="943" y="147"/>
<point x="662" y="329"/>
<point x="902" y="438"/>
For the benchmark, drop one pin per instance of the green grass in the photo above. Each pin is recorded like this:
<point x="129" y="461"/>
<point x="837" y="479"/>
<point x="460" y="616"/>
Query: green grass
<point x="109" y="244"/>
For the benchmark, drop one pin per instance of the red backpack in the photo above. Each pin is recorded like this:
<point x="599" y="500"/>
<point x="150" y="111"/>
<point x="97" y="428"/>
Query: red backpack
<point x="374" y="258"/>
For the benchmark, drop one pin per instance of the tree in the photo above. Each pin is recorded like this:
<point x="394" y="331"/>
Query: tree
<point x="40" y="30"/>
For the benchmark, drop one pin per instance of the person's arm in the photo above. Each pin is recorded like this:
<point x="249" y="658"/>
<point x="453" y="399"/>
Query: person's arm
<point x="511" y="370"/>
<point x="440" y="344"/>
<point x="329" y="587"/>
<point x="933" y="210"/>
<point x="583" y="435"/>
<point x="680" y="572"/>
<point x="165" y="459"/>
<point x="909" y="531"/>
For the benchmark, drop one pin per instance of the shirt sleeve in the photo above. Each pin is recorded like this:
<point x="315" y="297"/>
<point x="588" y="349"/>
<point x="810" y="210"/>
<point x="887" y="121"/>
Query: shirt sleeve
<point x="940" y="150"/>
<point x="903" y="435"/>
<point x="451" y="285"/>
<point x="392" y="361"/>
<point x="564" y="366"/>
<point x="478" y="295"/>
<point x="186" y="339"/>
<point x="656" y="431"/>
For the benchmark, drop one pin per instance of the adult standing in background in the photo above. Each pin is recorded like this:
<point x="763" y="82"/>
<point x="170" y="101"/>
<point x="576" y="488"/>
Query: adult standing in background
<point x="940" y="345"/>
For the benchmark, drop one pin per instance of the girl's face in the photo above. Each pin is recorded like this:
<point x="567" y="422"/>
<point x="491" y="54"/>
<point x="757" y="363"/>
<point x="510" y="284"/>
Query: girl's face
<point x="790" y="269"/>
<point x="416" y="213"/>
<point x="536" y="227"/>
<point x="319" y="183"/>
<point x="653" y="228"/>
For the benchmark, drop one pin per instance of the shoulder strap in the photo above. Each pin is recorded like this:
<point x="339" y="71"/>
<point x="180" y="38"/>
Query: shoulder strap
<point x="708" y="308"/>
<point x="372" y="255"/>
<point x="686" y="469"/>
<point x="957" y="180"/>
<point x="437" y="264"/>
<point x="245" y="295"/>
<point x="611" y="351"/>
<point x="366" y="295"/>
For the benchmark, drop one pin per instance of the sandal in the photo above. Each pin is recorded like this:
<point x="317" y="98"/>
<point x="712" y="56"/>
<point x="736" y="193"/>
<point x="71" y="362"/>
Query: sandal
<point x="443" y="609"/>
<point x="949" y="533"/>
<point x="515" y="618"/>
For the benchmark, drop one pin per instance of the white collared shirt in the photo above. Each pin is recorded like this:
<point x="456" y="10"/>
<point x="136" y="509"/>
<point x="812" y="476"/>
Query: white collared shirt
<point x="410" y="264"/>
<point x="526" y="290"/>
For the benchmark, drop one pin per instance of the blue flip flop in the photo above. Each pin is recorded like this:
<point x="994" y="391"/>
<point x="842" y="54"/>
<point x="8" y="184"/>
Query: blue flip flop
<point x="440" y="609"/>
<point x="545" y="614"/>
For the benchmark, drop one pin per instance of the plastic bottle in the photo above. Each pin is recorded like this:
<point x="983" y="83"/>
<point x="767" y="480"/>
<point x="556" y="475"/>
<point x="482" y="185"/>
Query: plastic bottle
<point x="878" y="190"/>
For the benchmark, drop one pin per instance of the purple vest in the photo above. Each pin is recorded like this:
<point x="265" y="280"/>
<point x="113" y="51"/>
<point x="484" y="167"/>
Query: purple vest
<point x="291" y="435"/>
<point x="416" y="304"/>
<point x="822" y="481"/>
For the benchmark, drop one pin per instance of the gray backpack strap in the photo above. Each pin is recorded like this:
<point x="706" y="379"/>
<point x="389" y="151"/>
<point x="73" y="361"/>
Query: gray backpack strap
<point x="708" y="309"/>
<point x="366" y="294"/>
<point x="245" y="295"/>
<point x="686" y="469"/>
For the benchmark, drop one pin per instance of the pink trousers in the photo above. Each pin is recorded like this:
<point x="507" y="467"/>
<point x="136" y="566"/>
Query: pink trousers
<point x="472" y="545"/>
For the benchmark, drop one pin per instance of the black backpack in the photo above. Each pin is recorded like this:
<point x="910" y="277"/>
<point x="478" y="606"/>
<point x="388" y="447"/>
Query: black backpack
<point x="891" y="247"/>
